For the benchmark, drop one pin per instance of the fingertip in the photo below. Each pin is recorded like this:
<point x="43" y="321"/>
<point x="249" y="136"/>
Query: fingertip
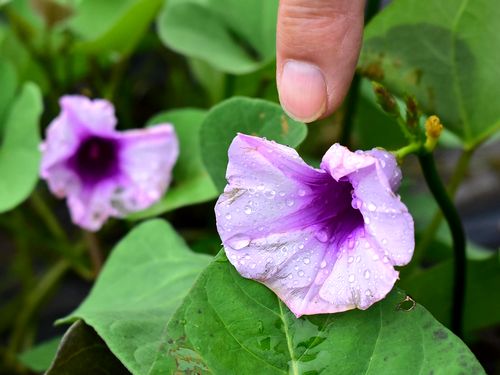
<point x="302" y="91"/>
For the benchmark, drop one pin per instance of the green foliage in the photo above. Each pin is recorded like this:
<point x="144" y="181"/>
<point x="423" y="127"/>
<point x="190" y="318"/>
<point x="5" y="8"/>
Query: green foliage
<point x="232" y="35"/>
<point x="445" y="53"/>
<point x="112" y="25"/>
<point x="8" y="79"/>
<point x="482" y="298"/>
<point x="40" y="357"/>
<point x="83" y="352"/>
<point x="248" y="116"/>
<point x="225" y="313"/>
<point x="191" y="182"/>
<point x="144" y="281"/>
<point x="19" y="155"/>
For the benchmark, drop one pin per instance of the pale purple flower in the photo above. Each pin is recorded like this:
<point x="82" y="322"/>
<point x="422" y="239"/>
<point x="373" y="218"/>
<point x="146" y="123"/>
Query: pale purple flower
<point x="324" y="240"/>
<point x="103" y="172"/>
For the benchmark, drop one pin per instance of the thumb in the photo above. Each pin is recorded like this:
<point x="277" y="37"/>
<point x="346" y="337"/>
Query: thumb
<point x="318" y="43"/>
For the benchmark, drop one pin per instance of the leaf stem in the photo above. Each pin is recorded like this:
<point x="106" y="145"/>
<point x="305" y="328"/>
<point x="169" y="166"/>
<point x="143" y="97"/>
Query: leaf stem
<point x="430" y="232"/>
<point x="47" y="216"/>
<point x="32" y="303"/>
<point x="452" y="217"/>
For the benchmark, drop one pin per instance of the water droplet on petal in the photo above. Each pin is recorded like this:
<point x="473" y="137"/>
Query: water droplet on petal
<point x="384" y="241"/>
<point x="367" y="274"/>
<point x="306" y="261"/>
<point x="385" y="259"/>
<point x="252" y="265"/>
<point x="351" y="278"/>
<point x="302" y="192"/>
<point x="366" y="220"/>
<point x="301" y="273"/>
<point x="270" y="194"/>
<point x="290" y="202"/>
<point x="282" y="193"/>
<point x="323" y="264"/>
<point x="350" y="243"/>
<point x="260" y="229"/>
<point x="350" y="259"/>
<point x="355" y="203"/>
<point x="371" y="207"/>
<point x="322" y="236"/>
<point x="368" y="293"/>
<point x="228" y="216"/>
<point x="375" y="257"/>
<point x="238" y="242"/>
<point x="248" y="210"/>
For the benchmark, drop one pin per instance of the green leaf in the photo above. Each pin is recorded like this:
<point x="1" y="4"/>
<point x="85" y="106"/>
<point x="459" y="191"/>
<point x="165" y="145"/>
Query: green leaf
<point x="232" y="35"/>
<point x="83" y="352"/>
<point x="482" y="298"/>
<point x="144" y="281"/>
<point x="19" y="155"/>
<point x="243" y="115"/>
<point x="8" y="79"/>
<point x="446" y="54"/>
<point x="112" y="25"/>
<point x="191" y="182"/>
<point x="227" y="322"/>
<point x="372" y="126"/>
<point x="40" y="357"/>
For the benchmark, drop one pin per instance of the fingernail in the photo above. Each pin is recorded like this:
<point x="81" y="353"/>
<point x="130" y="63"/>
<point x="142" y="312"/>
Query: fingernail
<point x="302" y="91"/>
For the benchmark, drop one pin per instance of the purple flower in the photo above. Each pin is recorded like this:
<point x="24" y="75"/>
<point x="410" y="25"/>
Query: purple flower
<point x="101" y="171"/>
<point x="324" y="240"/>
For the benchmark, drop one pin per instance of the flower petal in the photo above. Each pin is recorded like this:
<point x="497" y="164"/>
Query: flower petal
<point x="372" y="175"/>
<point x="146" y="160"/>
<point x="90" y="208"/>
<point x="359" y="278"/>
<point x="96" y="117"/>
<point x="267" y="186"/>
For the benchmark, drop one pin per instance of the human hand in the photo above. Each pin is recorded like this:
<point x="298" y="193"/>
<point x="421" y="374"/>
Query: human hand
<point x="318" y="43"/>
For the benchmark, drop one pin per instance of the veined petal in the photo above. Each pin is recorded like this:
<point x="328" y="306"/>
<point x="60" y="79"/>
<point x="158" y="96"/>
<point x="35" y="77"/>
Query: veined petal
<point x="359" y="278"/>
<point x="147" y="157"/>
<point x="268" y="184"/>
<point x="95" y="117"/>
<point x="90" y="208"/>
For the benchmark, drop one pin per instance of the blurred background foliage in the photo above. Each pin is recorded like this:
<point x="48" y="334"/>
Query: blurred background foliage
<point x="183" y="61"/>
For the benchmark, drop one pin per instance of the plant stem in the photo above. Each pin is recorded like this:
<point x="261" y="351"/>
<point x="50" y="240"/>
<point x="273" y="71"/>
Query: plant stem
<point x="452" y="217"/>
<point x="32" y="304"/>
<point x="94" y="251"/>
<point x="47" y="216"/>
<point x="430" y="232"/>
<point x="351" y="105"/>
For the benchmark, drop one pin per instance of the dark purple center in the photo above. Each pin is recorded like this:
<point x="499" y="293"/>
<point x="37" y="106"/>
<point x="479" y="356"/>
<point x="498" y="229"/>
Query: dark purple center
<point x="96" y="159"/>
<point x="334" y="210"/>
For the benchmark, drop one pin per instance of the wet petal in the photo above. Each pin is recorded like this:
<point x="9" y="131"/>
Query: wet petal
<point x="359" y="278"/>
<point x="147" y="159"/>
<point x="85" y="115"/>
<point x="386" y="218"/>
<point x="388" y="164"/>
<point x="268" y="184"/>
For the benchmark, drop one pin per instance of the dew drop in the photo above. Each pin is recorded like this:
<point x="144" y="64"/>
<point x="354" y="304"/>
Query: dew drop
<point x="260" y="229"/>
<point x="366" y="220"/>
<point x="248" y="210"/>
<point x="301" y="246"/>
<point x="350" y="259"/>
<point x="350" y="243"/>
<point x="270" y="194"/>
<point x="323" y="264"/>
<point x="290" y="202"/>
<point x="368" y="293"/>
<point x="252" y="265"/>
<point x="375" y="257"/>
<point x="301" y="273"/>
<point x="322" y="236"/>
<point x="384" y="241"/>
<point x="367" y="274"/>
<point x="351" y="278"/>
<point x="356" y="203"/>
<point x="290" y="276"/>
<point x="228" y="216"/>
<point x="385" y="259"/>
<point x="358" y="259"/>
<point x="238" y="242"/>
<point x="282" y="193"/>
<point x="301" y="193"/>
<point x="307" y="261"/>
<point x="371" y="207"/>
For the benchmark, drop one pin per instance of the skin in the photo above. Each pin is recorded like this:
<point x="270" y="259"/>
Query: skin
<point x="318" y="44"/>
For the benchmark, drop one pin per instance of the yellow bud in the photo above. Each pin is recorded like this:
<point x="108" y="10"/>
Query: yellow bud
<point x="433" y="129"/>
